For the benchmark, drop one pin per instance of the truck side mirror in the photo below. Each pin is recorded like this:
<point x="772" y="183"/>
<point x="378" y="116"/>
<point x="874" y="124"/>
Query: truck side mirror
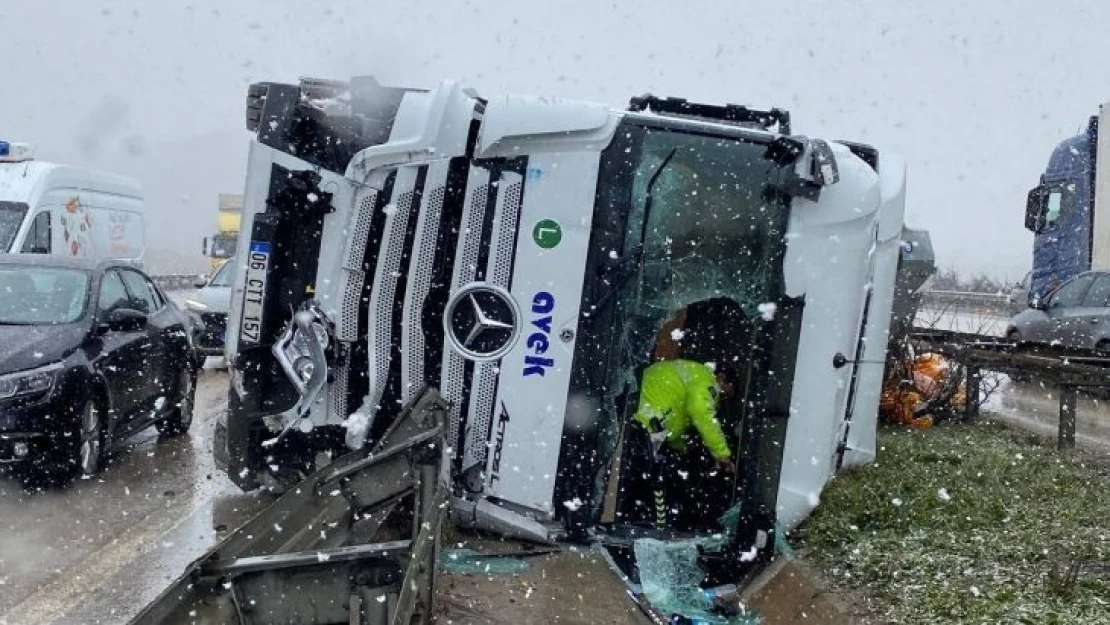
<point x="1036" y="209"/>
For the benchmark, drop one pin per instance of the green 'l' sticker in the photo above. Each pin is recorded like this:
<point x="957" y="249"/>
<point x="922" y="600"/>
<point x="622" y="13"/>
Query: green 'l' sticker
<point x="547" y="234"/>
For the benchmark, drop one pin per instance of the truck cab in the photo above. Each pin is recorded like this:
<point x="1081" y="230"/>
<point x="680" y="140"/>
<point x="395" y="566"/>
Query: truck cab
<point x="1068" y="212"/>
<point x="528" y="257"/>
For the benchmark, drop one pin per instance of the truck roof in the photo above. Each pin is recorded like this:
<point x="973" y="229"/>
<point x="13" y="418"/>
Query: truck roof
<point x="20" y="181"/>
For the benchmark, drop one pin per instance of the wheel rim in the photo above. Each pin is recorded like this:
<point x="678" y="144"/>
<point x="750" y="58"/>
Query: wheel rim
<point x="185" y="405"/>
<point x="90" y="439"/>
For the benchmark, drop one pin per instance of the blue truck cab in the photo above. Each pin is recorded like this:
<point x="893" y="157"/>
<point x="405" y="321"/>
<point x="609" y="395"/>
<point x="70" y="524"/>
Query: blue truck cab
<point x="1060" y="212"/>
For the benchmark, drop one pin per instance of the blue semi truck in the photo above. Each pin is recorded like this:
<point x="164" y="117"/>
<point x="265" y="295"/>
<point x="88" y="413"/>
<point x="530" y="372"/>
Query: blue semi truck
<point x="1063" y="211"/>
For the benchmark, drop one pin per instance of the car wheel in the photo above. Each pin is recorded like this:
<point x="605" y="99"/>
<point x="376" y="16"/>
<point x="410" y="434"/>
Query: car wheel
<point x="1014" y="337"/>
<point x="1103" y="345"/>
<point x="90" y="446"/>
<point x="181" y="417"/>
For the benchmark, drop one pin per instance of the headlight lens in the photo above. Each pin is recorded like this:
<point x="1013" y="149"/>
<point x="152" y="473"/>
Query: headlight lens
<point x="304" y="368"/>
<point x="193" y="304"/>
<point x="32" y="382"/>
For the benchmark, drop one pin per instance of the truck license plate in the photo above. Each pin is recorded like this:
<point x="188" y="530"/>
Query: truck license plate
<point x="258" y="262"/>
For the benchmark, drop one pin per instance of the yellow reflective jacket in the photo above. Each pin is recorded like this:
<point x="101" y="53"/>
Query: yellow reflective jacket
<point x="678" y="394"/>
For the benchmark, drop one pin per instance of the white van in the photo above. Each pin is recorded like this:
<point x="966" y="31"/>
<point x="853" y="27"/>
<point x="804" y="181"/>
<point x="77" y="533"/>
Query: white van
<point x="47" y="208"/>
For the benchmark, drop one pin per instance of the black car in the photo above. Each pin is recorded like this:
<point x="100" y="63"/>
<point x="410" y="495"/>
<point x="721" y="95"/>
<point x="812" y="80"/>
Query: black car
<point x="90" y="353"/>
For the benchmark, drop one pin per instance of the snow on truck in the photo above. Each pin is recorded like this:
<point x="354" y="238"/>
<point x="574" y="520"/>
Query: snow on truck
<point x="523" y="257"/>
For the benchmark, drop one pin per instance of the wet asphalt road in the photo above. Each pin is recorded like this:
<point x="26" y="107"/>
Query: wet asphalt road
<point x="1033" y="406"/>
<point x="98" y="550"/>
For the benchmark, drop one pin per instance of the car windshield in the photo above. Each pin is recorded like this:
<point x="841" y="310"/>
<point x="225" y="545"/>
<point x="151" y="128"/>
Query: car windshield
<point x="11" y="216"/>
<point x="42" y="295"/>
<point x="223" y="275"/>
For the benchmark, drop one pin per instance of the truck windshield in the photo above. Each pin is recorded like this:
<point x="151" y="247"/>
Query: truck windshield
<point x="690" y="274"/>
<point x="710" y="220"/>
<point x="11" y="217"/>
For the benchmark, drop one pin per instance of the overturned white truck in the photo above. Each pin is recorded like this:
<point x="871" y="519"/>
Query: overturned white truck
<point x="523" y="255"/>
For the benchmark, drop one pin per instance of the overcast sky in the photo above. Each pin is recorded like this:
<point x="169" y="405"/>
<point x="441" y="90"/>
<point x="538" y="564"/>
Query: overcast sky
<point x="973" y="94"/>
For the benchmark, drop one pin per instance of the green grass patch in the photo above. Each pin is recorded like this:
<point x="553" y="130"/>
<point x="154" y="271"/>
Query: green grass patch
<point x="968" y="523"/>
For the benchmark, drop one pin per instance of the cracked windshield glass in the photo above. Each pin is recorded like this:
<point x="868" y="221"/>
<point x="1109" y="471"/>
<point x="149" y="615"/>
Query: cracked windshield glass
<point x="350" y="313"/>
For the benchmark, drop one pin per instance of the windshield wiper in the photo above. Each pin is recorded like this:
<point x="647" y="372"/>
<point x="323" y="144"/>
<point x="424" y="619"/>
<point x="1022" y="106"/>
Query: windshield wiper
<point x="649" y="197"/>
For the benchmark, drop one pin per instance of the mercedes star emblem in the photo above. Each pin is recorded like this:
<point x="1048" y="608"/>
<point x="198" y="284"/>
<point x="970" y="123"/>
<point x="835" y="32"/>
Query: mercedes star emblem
<point x="481" y="321"/>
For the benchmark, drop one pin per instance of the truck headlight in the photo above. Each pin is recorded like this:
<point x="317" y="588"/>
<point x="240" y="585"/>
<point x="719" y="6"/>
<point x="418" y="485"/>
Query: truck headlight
<point x="193" y="304"/>
<point x="30" y="382"/>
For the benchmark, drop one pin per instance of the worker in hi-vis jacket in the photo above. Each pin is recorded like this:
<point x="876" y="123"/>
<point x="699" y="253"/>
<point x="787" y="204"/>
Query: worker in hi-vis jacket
<point x="677" y="412"/>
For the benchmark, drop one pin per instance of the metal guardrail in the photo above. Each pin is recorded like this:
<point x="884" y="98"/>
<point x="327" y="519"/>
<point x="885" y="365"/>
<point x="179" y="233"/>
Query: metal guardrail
<point x="1071" y="369"/>
<point x="992" y="301"/>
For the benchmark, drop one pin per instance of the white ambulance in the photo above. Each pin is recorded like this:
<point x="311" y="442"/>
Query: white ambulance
<point x="47" y="208"/>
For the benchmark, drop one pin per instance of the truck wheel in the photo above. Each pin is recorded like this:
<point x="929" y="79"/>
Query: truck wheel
<point x="181" y="417"/>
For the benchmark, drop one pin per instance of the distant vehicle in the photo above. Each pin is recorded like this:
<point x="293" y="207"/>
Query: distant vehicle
<point x="90" y="353"/>
<point x="1069" y="211"/>
<point x="1017" y="299"/>
<point x="222" y="245"/>
<point x="211" y="303"/>
<point x="63" y="210"/>
<point x="1075" y="315"/>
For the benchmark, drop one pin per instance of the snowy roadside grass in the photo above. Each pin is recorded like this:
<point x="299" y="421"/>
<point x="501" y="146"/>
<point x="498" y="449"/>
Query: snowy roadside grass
<point x="968" y="523"/>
